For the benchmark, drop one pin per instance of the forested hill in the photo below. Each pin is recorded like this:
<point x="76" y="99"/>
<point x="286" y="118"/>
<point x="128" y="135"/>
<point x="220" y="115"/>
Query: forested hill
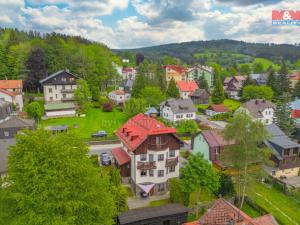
<point x="31" y="56"/>
<point x="190" y="52"/>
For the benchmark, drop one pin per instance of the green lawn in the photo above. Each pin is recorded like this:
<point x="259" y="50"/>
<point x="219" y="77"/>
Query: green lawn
<point x="283" y="207"/>
<point x="231" y="104"/>
<point x="94" y="120"/>
<point x="250" y="211"/>
<point x="159" y="202"/>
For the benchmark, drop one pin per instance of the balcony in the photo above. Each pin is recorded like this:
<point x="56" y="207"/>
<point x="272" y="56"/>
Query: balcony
<point x="146" y="165"/>
<point x="157" y="147"/>
<point x="172" y="162"/>
<point x="67" y="91"/>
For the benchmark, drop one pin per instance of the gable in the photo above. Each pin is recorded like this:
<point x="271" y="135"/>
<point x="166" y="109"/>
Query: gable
<point x="63" y="77"/>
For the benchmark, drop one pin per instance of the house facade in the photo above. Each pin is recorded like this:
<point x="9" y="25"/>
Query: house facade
<point x="12" y="91"/>
<point x="216" y="109"/>
<point x="259" y="109"/>
<point x="119" y="96"/>
<point x="178" y="73"/>
<point x="128" y="73"/>
<point x="176" y="110"/>
<point x="200" y="96"/>
<point x="59" y="86"/>
<point x="210" y="144"/>
<point x="149" y="154"/>
<point x="285" y="153"/>
<point x="186" y="88"/>
<point x="194" y="73"/>
<point x="233" y="85"/>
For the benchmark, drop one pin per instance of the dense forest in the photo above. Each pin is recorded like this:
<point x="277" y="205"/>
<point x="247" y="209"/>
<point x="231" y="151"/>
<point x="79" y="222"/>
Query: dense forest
<point x="190" y="52"/>
<point x="31" y="56"/>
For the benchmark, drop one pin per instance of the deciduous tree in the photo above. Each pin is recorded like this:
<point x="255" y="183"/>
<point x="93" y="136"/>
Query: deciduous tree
<point x="83" y="95"/>
<point x="152" y="95"/>
<point x="135" y="106"/>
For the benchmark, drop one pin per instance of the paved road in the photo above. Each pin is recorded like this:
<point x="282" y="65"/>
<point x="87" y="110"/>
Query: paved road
<point x="214" y="124"/>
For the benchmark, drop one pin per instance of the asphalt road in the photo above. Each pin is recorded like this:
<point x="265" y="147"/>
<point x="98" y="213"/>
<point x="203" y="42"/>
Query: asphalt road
<point x="98" y="149"/>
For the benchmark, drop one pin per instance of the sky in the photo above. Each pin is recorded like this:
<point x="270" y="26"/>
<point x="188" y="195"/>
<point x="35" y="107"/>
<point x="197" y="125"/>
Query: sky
<point x="141" y="23"/>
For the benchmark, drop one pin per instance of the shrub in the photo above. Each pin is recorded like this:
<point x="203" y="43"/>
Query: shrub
<point x="222" y="116"/>
<point x="226" y="186"/>
<point x="34" y="110"/>
<point x="107" y="107"/>
<point x="95" y="160"/>
<point x="187" y="127"/>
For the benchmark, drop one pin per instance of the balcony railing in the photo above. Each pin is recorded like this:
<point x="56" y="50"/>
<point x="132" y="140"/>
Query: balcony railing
<point x="67" y="91"/>
<point x="158" y="146"/>
<point x="172" y="162"/>
<point x="146" y="165"/>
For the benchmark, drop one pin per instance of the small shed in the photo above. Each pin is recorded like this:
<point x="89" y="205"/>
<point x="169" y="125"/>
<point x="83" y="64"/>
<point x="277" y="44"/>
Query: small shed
<point x="200" y="96"/>
<point x="171" y="214"/>
<point x="60" y="109"/>
<point x="216" y="109"/>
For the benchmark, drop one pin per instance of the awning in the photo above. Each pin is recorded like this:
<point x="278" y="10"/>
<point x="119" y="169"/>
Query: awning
<point x="146" y="187"/>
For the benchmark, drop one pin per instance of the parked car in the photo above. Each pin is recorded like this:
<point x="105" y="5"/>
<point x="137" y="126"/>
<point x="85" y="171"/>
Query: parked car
<point x="100" y="133"/>
<point x="105" y="159"/>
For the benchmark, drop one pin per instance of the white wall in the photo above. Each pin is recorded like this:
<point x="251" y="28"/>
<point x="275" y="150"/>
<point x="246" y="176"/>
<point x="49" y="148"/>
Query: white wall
<point x="268" y="116"/>
<point x="160" y="165"/>
<point x="17" y="100"/>
<point x="184" y="116"/>
<point x="119" y="98"/>
<point x="56" y="92"/>
<point x="167" y="113"/>
<point x="184" y="94"/>
<point x="61" y="113"/>
<point x="6" y="97"/>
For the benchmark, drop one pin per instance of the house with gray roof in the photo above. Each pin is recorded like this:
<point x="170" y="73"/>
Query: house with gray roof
<point x="10" y="125"/>
<point x="259" y="78"/>
<point x="259" y="109"/>
<point x="176" y="110"/>
<point x="285" y="153"/>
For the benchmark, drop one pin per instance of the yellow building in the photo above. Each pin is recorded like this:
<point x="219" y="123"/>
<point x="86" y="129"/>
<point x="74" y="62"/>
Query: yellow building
<point x="177" y="72"/>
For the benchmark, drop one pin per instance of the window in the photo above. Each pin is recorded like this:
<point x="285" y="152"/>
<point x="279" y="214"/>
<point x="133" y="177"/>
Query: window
<point x="172" y="169"/>
<point x="157" y="140"/>
<point x="151" y="173"/>
<point x="160" y="157"/>
<point x="51" y="98"/>
<point x="6" y="134"/>
<point x="50" y="90"/>
<point x="160" y="173"/>
<point x="171" y="153"/>
<point x="56" y="96"/>
<point x="143" y="157"/>
<point x="286" y="152"/>
<point x="295" y="151"/>
<point x="64" y="79"/>
<point x="55" y="87"/>
<point x="64" y="95"/>
<point x="151" y="157"/>
<point x="63" y="87"/>
<point x="143" y="173"/>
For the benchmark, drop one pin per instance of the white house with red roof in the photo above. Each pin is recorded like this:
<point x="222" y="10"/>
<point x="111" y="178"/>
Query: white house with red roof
<point x="128" y="73"/>
<point x="186" y="88"/>
<point x="216" y="109"/>
<point x="149" y="154"/>
<point x="12" y="91"/>
<point x="119" y="96"/>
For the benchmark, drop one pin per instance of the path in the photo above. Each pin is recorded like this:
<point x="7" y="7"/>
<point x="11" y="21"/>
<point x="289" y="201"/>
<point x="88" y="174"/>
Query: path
<point x="137" y="202"/>
<point x="214" y="124"/>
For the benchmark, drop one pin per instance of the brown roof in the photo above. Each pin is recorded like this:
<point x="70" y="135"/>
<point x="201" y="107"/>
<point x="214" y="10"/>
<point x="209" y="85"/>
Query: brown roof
<point x="257" y="106"/>
<point x="10" y="84"/>
<point x="10" y="93"/>
<point x="17" y="122"/>
<point x="266" y="220"/>
<point x="215" y="139"/>
<point x="119" y="92"/>
<point x="219" y="108"/>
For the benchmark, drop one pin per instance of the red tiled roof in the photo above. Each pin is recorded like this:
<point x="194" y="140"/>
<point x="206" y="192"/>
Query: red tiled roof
<point x="295" y="114"/>
<point x="219" y="108"/>
<point x="295" y="76"/>
<point x="178" y="69"/>
<point x="10" y="84"/>
<point x="119" y="92"/>
<point x="10" y="93"/>
<point x="223" y="213"/>
<point x="120" y="155"/>
<point x="266" y="220"/>
<point x="187" y="86"/>
<point x="137" y="129"/>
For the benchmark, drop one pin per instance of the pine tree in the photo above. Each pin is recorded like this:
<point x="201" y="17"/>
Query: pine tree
<point x="283" y="82"/>
<point x="247" y="82"/>
<point x="272" y="82"/>
<point x="140" y="81"/>
<point x="283" y="114"/>
<point x="160" y="78"/>
<point x="218" y="95"/>
<point x="172" y="91"/>
<point x="36" y="66"/>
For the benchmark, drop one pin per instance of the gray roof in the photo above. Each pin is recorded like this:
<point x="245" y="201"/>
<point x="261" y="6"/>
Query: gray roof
<point x="57" y="73"/>
<point x="279" y="140"/>
<point x="4" y="146"/>
<point x="257" y="106"/>
<point x="141" y="214"/>
<point x="179" y="105"/>
<point x="151" y="110"/>
<point x="15" y="121"/>
<point x="200" y="93"/>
